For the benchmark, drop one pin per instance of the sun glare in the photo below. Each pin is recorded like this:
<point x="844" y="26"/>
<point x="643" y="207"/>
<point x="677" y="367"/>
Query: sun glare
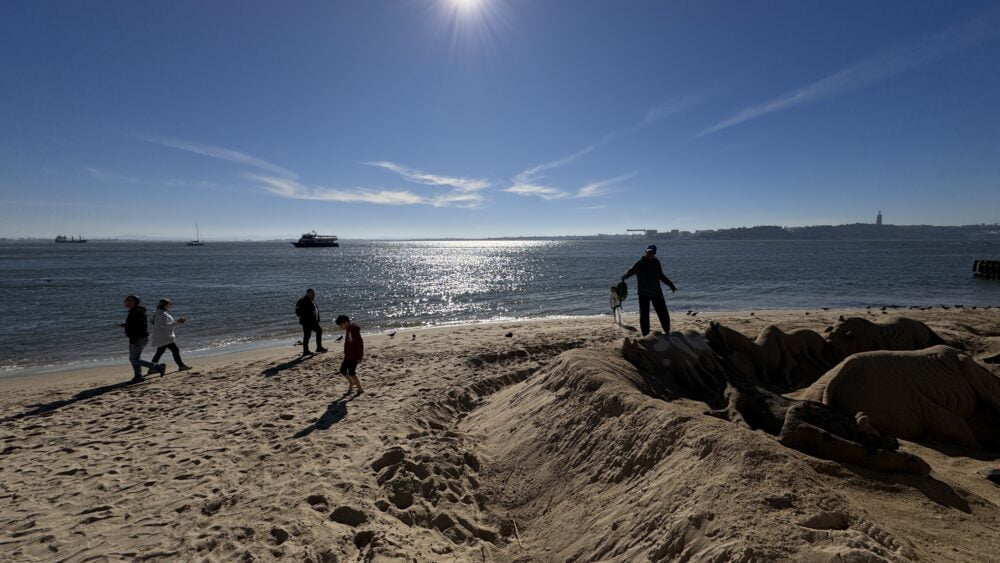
<point x="475" y="25"/>
<point x="465" y="5"/>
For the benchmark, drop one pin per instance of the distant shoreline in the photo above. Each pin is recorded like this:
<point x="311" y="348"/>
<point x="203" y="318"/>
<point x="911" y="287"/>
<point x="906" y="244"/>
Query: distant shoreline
<point x="856" y="231"/>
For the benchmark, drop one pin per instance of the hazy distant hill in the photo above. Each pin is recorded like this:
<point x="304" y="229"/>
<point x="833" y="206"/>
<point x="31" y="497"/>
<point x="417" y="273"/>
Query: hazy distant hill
<point x="857" y="231"/>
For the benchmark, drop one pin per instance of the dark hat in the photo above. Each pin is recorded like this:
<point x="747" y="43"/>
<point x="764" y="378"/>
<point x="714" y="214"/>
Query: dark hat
<point x="133" y="297"/>
<point x="651" y="248"/>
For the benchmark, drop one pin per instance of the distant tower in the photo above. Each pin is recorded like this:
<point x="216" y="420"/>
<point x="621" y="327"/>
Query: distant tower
<point x="878" y="218"/>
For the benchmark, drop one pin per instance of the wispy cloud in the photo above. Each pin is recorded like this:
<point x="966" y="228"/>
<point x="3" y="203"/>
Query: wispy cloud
<point x="593" y="189"/>
<point x="293" y="189"/>
<point x="875" y="69"/>
<point x="655" y="114"/>
<point x="420" y="177"/>
<point x="221" y="153"/>
<point x="528" y="182"/>
<point x="544" y="192"/>
<point x="283" y="182"/>
<point x="105" y="175"/>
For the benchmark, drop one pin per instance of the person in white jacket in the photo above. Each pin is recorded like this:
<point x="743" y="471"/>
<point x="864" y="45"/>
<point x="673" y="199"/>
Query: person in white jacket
<point x="162" y="334"/>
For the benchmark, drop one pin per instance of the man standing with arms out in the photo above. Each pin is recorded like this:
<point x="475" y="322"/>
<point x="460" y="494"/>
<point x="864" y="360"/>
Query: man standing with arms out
<point x="137" y="331"/>
<point x="648" y="274"/>
<point x="308" y="314"/>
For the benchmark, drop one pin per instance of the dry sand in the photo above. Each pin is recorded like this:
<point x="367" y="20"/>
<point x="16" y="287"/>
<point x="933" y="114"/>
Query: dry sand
<point x="467" y="446"/>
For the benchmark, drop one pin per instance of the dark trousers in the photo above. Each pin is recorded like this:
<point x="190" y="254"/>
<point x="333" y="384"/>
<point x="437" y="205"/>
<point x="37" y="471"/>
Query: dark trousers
<point x="173" y="350"/>
<point x="661" y="311"/>
<point x="307" y="331"/>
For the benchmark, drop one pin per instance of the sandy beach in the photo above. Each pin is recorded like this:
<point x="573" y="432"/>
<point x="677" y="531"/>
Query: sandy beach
<point x="510" y="441"/>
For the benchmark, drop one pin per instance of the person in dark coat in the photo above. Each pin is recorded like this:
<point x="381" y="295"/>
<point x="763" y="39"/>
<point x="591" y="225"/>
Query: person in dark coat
<point x="137" y="332"/>
<point x="648" y="274"/>
<point x="308" y="314"/>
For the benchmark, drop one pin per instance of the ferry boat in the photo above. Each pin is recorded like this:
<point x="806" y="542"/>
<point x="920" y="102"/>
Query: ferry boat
<point x="63" y="238"/>
<point x="312" y="240"/>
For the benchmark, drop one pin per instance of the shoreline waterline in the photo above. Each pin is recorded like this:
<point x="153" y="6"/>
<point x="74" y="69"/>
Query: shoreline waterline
<point x="250" y="346"/>
<point x="273" y="347"/>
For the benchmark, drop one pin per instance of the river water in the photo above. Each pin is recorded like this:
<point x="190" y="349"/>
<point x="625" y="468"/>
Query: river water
<point x="61" y="303"/>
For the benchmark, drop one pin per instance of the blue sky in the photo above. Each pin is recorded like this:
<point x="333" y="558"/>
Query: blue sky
<point x="463" y="118"/>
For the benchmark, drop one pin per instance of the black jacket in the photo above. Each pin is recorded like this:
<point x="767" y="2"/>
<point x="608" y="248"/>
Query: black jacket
<point x="135" y="324"/>
<point x="307" y="311"/>
<point x="648" y="275"/>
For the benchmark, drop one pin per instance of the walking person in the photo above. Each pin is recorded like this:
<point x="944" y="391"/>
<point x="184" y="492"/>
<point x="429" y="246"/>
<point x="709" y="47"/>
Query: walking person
<point x="648" y="274"/>
<point x="616" y="306"/>
<point x="354" y="351"/>
<point x="137" y="332"/>
<point x="163" y="337"/>
<point x="308" y="314"/>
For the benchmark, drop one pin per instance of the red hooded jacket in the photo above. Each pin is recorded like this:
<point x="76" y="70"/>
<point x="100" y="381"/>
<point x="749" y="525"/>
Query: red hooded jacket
<point x="354" y="345"/>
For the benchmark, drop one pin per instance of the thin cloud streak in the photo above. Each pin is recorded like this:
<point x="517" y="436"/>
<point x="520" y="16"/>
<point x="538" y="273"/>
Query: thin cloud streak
<point x="593" y="189"/>
<point x="221" y="153"/>
<point x="875" y="69"/>
<point x="420" y="177"/>
<point x="105" y="175"/>
<point x="658" y="113"/>
<point x="293" y="189"/>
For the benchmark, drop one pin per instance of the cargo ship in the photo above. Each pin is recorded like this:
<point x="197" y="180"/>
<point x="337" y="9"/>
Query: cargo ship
<point x="63" y="238"/>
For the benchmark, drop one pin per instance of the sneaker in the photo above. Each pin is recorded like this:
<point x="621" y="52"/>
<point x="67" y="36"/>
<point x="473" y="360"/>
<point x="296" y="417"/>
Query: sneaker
<point x="161" y="369"/>
<point x="150" y="371"/>
<point x="137" y="379"/>
<point x="306" y="353"/>
<point x="183" y="367"/>
<point x="321" y="350"/>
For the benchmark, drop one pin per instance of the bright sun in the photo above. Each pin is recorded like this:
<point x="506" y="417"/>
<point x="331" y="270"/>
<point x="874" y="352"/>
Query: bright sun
<point x="465" y="5"/>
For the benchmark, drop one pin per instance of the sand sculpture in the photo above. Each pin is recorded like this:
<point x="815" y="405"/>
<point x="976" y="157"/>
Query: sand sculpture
<point x="936" y="393"/>
<point x="856" y="334"/>
<point x="689" y="368"/>
<point x="778" y="360"/>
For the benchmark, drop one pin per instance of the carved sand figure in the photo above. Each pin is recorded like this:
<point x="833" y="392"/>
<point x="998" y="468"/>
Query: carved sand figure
<point x="688" y="368"/>
<point x="936" y="393"/>
<point x="784" y="360"/>
<point x="856" y="334"/>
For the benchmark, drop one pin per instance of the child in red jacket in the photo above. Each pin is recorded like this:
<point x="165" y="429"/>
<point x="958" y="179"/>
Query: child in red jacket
<point x="354" y="350"/>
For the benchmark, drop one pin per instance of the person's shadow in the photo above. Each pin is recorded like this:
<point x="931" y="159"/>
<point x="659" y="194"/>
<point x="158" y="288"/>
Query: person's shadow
<point x="335" y="412"/>
<point x="278" y="368"/>
<point x="81" y="396"/>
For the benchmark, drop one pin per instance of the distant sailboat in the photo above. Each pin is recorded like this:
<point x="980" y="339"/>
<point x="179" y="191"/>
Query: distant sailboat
<point x="197" y="241"/>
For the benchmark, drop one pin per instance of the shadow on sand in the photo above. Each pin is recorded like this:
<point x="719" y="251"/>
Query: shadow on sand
<point x="276" y="369"/>
<point x="81" y="396"/>
<point x="938" y="492"/>
<point x="335" y="412"/>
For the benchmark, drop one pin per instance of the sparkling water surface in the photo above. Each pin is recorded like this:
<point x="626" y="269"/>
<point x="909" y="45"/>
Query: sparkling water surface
<point x="61" y="303"/>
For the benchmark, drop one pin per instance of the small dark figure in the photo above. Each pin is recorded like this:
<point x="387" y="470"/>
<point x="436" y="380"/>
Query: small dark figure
<point x="354" y="351"/>
<point x="616" y="306"/>
<point x="308" y="314"/>
<point x="649" y="273"/>
<point x="137" y="332"/>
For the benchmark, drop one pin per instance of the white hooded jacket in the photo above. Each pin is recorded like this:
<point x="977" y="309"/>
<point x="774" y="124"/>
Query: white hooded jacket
<point x="161" y="329"/>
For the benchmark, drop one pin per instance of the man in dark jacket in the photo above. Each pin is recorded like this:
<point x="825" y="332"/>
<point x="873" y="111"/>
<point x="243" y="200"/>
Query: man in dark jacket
<point x="137" y="332"/>
<point x="308" y="314"/>
<point x="648" y="274"/>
